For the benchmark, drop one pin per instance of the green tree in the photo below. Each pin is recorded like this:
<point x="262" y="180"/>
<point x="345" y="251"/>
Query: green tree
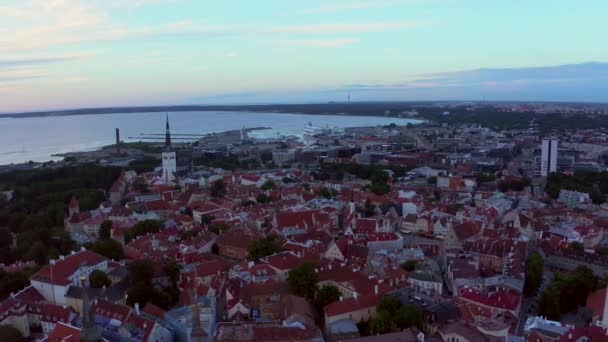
<point x="263" y="198"/>
<point x="141" y="272"/>
<point x="325" y="295"/>
<point x="567" y="292"/>
<point x="549" y="304"/>
<point x="534" y="273"/>
<point x="105" y="230"/>
<point x="207" y="218"/>
<point x="302" y="280"/>
<point x="99" y="279"/>
<point x="380" y="188"/>
<point x="325" y="192"/>
<point x="6" y="239"/>
<point x="218" y="188"/>
<point x="38" y="252"/>
<point x="142" y="228"/>
<point x="577" y="246"/>
<point x="12" y="282"/>
<point x="409" y="265"/>
<point x="269" y="185"/>
<point x="264" y="247"/>
<point x="10" y="333"/>
<point x="381" y="324"/>
<point x="389" y="304"/>
<point x="408" y="316"/>
<point x="218" y="228"/>
<point x="141" y="294"/>
<point x="369" y="209"/>
<point x="109" y="248"/>
<point x="173" y="269"/>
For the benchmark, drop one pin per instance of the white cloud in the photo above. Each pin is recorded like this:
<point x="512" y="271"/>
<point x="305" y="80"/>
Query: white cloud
<point x="319" y="42"/>
<point x="138" y="3"/>
<point x="343" y="6"/>
<point x="340" y="27"/>
<point x="232" y="54"/>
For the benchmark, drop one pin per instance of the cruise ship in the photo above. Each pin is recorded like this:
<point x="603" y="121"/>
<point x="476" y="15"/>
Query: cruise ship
<point x="312" y="133"/>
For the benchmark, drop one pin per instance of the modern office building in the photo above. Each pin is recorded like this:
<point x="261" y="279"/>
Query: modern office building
<point x="548" y="157"/>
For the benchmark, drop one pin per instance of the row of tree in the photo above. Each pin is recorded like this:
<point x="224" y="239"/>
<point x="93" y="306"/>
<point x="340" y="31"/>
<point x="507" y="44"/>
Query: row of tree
<point x="593" y="183"/>
<point x="31" y="224"/>
<point x="567" y="292"/>
<point x="142" y="289"/>
<point x="392" y="316"/>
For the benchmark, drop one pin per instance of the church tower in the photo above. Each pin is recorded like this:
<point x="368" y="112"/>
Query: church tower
<point x="169" y="157"/>
<point x="90" y="331"/>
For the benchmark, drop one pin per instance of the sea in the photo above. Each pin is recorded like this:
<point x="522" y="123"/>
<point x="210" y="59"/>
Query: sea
<point x="39" y="138"/>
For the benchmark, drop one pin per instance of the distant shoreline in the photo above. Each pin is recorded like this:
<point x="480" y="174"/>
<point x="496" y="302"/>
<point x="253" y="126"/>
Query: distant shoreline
<point x="386" y="109"/>
<point x="359" y="109"/>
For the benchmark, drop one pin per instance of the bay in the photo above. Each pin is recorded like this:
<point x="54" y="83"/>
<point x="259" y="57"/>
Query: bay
<point x="38" y="138"/>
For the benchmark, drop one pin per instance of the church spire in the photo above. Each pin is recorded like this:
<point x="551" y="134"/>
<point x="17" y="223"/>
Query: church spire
<point x="197" y="333"/>
<point x="90" y="331"/>
<point x="167" y="133"/>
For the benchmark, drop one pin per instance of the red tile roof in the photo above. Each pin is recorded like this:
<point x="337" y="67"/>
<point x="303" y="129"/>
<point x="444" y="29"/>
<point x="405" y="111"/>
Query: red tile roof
<point x="351" y="304"/>
<point x="59" y="273"/>
<point x="498" y="299"/>
<point x="282" y="261"/>
<point x="64" y="333"/>
<point x="596" y="301"/>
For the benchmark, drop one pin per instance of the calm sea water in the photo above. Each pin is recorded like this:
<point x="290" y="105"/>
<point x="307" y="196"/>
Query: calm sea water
<point x="38" y="138"/>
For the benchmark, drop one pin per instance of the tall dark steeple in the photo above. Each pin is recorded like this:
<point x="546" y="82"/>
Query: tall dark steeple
<point x="90" y="331"/>
<point x="197" y="333"/>
<point x="167" y="134"/>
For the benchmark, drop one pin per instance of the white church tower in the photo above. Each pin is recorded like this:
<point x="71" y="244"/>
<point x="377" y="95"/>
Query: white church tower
<point x="169" y="157"/>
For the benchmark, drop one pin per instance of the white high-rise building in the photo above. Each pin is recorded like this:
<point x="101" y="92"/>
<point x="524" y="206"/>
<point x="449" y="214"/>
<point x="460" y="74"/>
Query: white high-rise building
<point x="548" y="157"/>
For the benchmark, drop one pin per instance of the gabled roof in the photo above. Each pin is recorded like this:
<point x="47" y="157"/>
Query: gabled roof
<point x="64" y="333"/>
<point x="464" y="230"/>
<point x="282" y="261"/>
<point x="59" y="272"/>
<point x="351" y="304"/>
<point x="596" y="301"/>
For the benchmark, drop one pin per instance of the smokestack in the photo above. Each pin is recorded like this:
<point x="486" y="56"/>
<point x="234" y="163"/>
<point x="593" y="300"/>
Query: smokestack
<point x="118" y="140"/>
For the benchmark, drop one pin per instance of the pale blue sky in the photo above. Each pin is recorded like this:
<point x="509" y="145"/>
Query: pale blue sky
<point x="75" y="53"/>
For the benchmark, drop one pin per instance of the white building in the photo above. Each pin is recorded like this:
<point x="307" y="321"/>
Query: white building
<point x="169" y="166"/>
<point x="54" y="280"/>
<point x="548" y="157"/>
<point x="572" y="198"/>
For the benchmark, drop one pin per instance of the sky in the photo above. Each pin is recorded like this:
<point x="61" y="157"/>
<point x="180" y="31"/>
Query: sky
<point x="97" y="53"/>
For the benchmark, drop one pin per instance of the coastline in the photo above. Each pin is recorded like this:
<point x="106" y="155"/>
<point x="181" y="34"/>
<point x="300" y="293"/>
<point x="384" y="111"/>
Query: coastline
<point x="343" y="109"/>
